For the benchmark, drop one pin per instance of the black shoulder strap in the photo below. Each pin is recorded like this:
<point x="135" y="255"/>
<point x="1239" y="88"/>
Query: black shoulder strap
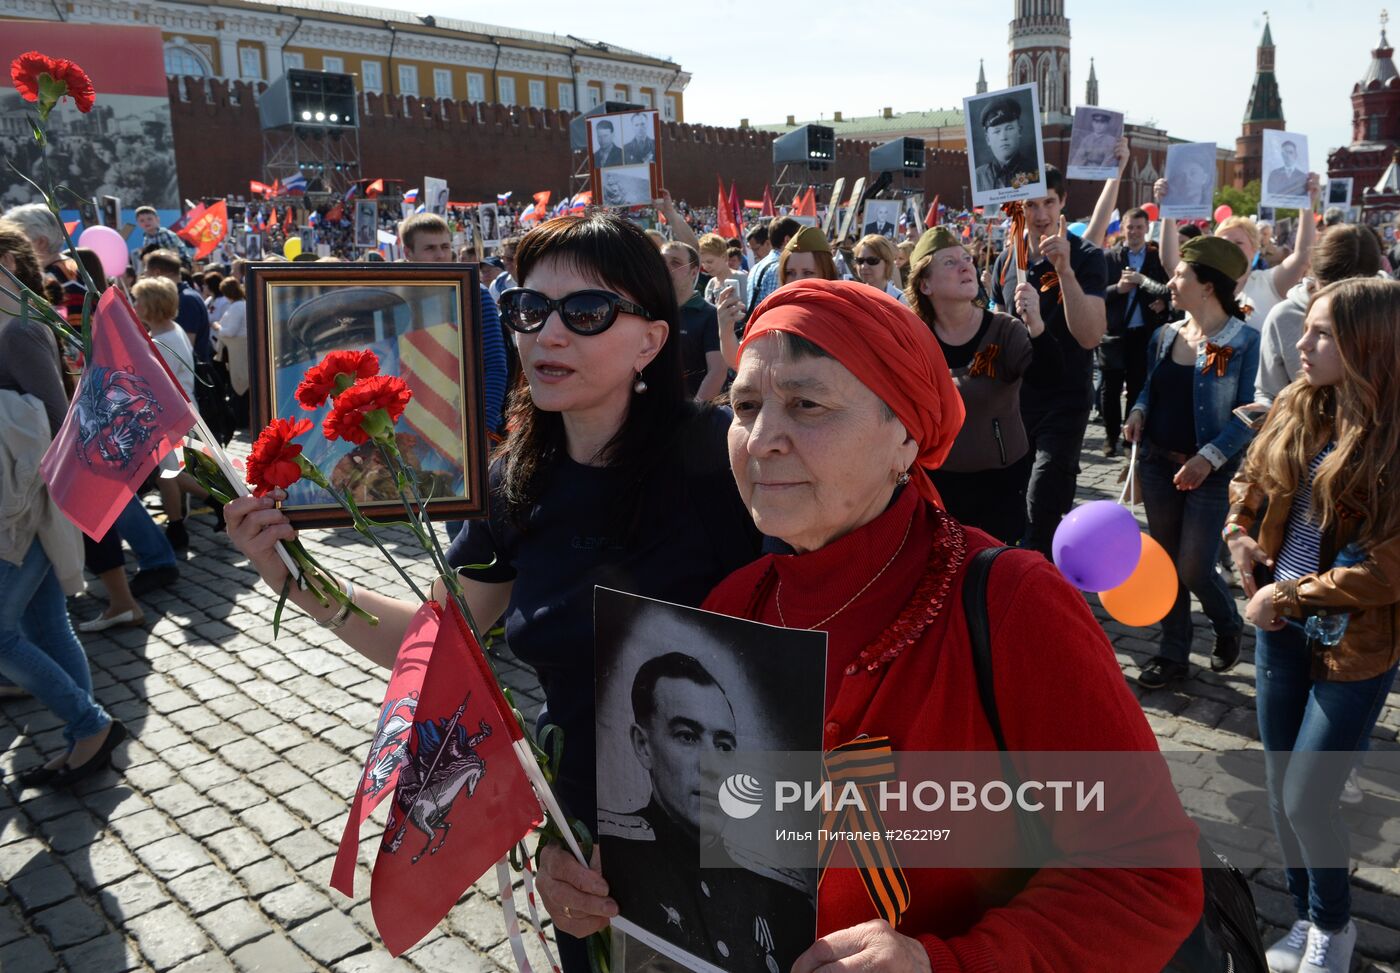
<point x="1035" y="835"/>
<point x="979" y="569"/>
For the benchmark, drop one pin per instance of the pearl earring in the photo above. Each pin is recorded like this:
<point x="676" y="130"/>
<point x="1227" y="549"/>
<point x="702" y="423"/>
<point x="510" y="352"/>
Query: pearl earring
<point x="640" y="385"/>
<point x="903" y="478"/>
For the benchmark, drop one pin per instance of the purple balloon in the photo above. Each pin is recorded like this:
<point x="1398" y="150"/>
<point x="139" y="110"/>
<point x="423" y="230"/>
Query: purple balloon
<point x="1097" y="547"/>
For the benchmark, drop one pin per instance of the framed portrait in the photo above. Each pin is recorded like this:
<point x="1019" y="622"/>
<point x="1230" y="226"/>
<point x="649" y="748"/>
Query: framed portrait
<point x="366" y="223"/>
<point x="488" y="219"/>
<point x="629" y="143"/>
<point x="253" y="246"/>
<point x="1339" y="191"/>
<point x="1093" y="142"/>
<point x="435" y="195"/>
<point x="1285" y="171"/>
<point x="687" y="885"/>
<point x="1006" y="157"/>
<point x="111" y="211"/>
<point x="423" y="321"/>
<point x="881" y="218"/>
<point x="1190" y="181"/>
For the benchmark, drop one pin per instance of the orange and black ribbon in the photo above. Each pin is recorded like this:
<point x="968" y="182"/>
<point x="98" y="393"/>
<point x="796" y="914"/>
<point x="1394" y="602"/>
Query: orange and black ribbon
<point x="866" y="762"/>
<point x="1050" y="283"/>
<point x="985" y="362"/>
<point x="1017" y="232"/>
<point x="1217" y="357"/>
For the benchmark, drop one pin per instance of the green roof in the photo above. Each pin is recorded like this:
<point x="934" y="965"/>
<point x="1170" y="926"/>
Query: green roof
<point x="871" y="125"/>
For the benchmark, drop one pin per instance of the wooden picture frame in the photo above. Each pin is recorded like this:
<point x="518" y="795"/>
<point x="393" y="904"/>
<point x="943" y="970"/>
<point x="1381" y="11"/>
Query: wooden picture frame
<point x="424" y="323"/>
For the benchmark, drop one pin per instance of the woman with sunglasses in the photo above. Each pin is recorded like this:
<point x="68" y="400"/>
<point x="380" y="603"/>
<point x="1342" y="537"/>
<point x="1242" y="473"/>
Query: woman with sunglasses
<point x="609" y="475"/>
<point x="877" y="264"/>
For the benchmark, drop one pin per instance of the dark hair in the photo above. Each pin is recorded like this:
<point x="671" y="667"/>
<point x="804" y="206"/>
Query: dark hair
<point x="1345" y="251"/>
<point x="1055" y="182"/>
<point x="781" y="229"/>
<point x="1187" y="231"/>
<point x="1137" y="212"/>
<point x="672" y="665"/>
<point x="621" y="256"/>
<point x="211" y="279"/>
<point x="1222" y="286"/>
<point x="735" y="242"/>
<point x="757" y="234"/>
<point x="93" y="264"/>
<point x="14" y="242"/>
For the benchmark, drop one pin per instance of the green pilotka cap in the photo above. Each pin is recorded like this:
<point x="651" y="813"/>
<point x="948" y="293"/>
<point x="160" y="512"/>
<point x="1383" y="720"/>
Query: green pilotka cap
<point x="934" y="240"/>
<point x="1216" y="252"/>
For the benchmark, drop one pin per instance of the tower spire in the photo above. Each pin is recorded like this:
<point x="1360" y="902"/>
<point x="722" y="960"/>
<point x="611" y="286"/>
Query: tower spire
<point x="981" y="77"/>
<point x="1091" y="89"/>
<point x="1265" y="108"/>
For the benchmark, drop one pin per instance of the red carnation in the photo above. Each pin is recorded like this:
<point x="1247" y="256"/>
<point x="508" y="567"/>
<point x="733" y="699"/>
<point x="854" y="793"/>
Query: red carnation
<point x="45" y="79"/>
<point x="367" y="410"/>
<point x="334" y="374"/>
<point x="273" y="461"/>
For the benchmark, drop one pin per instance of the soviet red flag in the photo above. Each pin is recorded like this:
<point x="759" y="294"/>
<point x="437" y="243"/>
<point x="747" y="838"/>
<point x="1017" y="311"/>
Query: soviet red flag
<point x="207" y="226"/>
<point x="128" y="412"/>
<point x="389" y="749"/>
<point x="724" y="213"/>
<point x="462" y="799"/>
<point x="767" y="208"/>
<point x="931" y="219"/>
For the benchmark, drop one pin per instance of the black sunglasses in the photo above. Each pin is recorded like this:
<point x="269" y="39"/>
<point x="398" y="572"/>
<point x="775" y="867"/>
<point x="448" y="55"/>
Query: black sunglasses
<point x="869" y="261"/>
<point x="583" y="312"/>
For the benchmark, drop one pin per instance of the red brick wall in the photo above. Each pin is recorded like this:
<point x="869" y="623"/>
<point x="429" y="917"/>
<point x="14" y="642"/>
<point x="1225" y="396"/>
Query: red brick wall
<point x="489" y="149"/>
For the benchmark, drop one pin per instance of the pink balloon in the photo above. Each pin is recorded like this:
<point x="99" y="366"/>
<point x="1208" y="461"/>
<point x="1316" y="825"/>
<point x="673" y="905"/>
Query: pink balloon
<point x="1223" y="213"/>
<point x="109" y="246"/>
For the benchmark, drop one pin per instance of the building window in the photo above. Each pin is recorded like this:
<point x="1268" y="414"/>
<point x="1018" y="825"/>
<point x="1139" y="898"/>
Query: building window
<point x="292" y="61"/>
<point x="442" y="83"/>
<point x="184" y="61"/>
<point x="408" y="80"/>
<point x="1373" y="128"/>
<point x="249" y="64"/>
<point x="566" y="96"/>
<point x="595" y="96"/>
<point x="333" y="64"/>
<point x="669" y="112"/>
<point x="644" y="96"/>
<point x="621" y="93"/>
<point x="476" y="87"/>
<point x="505" y="91"/>
<point x="372" y="76"/>
<point x="537" y="96"/>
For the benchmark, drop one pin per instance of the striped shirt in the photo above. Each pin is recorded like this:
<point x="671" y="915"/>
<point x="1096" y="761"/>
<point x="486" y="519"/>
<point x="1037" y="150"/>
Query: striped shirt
<point x="1302" y="541"/>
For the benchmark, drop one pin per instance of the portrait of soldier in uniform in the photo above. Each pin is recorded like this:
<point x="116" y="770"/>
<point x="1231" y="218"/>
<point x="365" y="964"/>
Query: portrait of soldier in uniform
<point x="1010" y="146"/>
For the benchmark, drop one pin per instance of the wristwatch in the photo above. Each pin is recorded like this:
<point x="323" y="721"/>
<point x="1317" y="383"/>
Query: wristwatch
<point x="343" y="613"/>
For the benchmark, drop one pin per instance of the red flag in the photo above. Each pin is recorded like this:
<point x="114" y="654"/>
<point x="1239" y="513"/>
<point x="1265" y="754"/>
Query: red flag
<point x="256" y="188"/>
<point x="805" y="205"/>
<point x="128" y="412"/>
<point x="461" y="800"/>
<point x="289" y="221"/>
<point x="336" y="212"/>
<point x="724" y="214"/>
<point x="276" y="189"/>
<point x="932" y="218"/>
<point x="734" y="207"/>
<point x="206" y="227"/>
<point x="768" y="209"/>
<point x="272" y="218"/>
<point x="374" y="188"/>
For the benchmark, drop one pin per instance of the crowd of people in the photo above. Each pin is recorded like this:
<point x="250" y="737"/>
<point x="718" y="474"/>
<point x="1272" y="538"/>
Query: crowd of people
<point x="821" y="435"/>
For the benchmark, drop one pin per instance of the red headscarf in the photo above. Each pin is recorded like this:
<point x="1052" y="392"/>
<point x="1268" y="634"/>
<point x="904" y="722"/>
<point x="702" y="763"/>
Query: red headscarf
<point x="883" y="344"/>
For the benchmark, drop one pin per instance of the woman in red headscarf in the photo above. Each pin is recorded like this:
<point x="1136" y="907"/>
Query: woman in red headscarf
<point x="842" y="404"/>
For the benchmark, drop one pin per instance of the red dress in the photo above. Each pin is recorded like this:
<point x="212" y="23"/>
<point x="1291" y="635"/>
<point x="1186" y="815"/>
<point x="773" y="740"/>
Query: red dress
<point x="1058" y="688"/>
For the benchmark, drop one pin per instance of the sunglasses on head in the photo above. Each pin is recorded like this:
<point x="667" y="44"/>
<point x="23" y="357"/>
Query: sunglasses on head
<point x="869" y="261"/>
<point x="583" y="312"/>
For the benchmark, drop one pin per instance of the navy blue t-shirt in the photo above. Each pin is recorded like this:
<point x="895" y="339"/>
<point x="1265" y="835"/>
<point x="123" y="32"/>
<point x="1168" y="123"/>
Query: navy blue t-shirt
<point x="690" y="532"/>
<point x="1074" y="391"/>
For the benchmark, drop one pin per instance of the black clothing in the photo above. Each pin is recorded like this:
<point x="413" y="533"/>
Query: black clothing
<point x="1056" y="439"/>
<point x="699" y="336"/>
<point x="1171" y="421"/>
<point x="960" y="356"/>
<point x="691" y="531"/>
<point x="1131" y="357"/>
<point x="993" y="500"/>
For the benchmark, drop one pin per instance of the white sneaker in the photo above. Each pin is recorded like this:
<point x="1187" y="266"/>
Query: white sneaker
<point x="1351" y="790"/>
<point x="1286" y="955"/>
<point x="1329" y="952"/>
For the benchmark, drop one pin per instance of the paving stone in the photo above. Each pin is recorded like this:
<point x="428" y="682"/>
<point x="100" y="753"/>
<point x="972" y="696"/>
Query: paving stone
<point x="70" y="923"/>
<point x="237" y="795"/>
<point x="375" y="961"/>
<point x="207" y="963"/>
<point x="102" y="863"/>
<point x="235" y="925"/>
<point x="28" y="955"/>
<point x="329" y="937"/>
<point x="179" y="799"/>
<point x="315" y="803"/>
<point x="237" y="847"/>
<point x="266" y="876"/>
<point x="108" y="953"/>
<point x="202" y="824"/>
<point x="247" y="754"/>
<point x="303" y="849"/>
<point x="206" y="889"/>
<point x="167" y="937"/>
<point x="279" y="778"/>
<point x="11" y="928"/>
<point x="176" y="855"/>
<point x="272" y="954"/>
<point x="294" y="904"/>
<point x="71" y="831"/>
<point x="313" y="757"/>
<point x="271" y="821"/>
<point x="131" y="897"/>
<point x="42" y="886"/>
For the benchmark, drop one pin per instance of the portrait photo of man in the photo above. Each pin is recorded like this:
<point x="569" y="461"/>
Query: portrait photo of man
<point x="1011" y="154"/>
<point x="606" y="151"/>
<point x="1093" y="143"/>
<point x="880" y="217"/>
<point x="1190" y="180"/>
<point x="640" y="146"/>
<point x="1285" y="170"/>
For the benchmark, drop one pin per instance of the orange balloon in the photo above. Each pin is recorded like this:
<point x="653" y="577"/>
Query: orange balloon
<point x="1148" y="594"/>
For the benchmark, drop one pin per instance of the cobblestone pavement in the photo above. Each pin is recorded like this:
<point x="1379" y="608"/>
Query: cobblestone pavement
<point x="212" y="849"/>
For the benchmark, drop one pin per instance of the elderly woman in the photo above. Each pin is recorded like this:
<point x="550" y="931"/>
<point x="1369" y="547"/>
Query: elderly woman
<point x="877" y="264"/>
<point x="1199" y="371"/>
<point x="842" y="404"/>
<point x="983" y="481"/>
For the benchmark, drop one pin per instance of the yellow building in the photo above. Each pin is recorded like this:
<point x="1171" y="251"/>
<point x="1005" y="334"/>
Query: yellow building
<point x="386" y="50"/>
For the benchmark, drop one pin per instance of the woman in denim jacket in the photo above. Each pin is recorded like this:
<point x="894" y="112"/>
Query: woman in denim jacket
<point x="1199" y="370"/>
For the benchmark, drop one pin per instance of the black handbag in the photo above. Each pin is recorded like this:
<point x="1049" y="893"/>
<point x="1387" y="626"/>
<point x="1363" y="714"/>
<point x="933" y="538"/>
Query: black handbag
<point x="1226" y="940"/>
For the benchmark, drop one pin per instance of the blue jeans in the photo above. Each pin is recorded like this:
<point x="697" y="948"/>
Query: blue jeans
<point x="1305" y="726"/>
<point x="147" y="540"/>
<point x="38" y="649"/>
<point x="1187" y="524"/>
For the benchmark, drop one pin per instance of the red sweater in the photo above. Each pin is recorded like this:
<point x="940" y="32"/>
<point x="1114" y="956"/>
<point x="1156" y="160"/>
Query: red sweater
<point x="1058" y="688"/>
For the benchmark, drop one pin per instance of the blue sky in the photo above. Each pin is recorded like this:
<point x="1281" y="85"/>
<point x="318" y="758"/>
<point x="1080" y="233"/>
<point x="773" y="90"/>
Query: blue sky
<point x="1188" y="64"/>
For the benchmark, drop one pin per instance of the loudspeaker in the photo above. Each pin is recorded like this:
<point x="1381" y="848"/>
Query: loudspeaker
<point x="811" y="145"/>
<point x="310" y="99"/>
<point x="898" y="155"/>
